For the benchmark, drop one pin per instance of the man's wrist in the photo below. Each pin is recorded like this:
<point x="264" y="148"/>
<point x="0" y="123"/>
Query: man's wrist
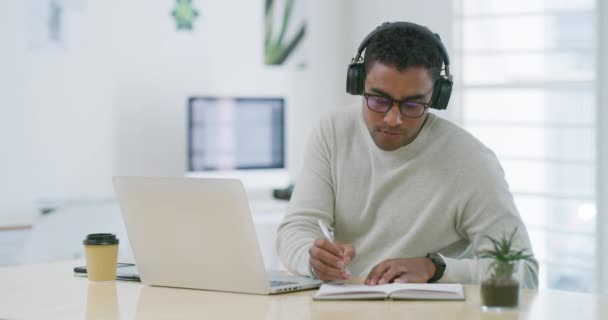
<point x="436" y="260"/>
<point x="430" y="266"/>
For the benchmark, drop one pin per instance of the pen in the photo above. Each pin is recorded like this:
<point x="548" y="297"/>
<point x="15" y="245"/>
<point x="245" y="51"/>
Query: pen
<point x="330" y="238"/>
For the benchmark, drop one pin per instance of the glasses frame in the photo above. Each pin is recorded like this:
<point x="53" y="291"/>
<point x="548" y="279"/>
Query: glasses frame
<point x="399" y="104"/>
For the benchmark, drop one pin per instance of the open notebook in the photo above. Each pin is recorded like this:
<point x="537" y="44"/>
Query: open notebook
<point x="394" y="291"/>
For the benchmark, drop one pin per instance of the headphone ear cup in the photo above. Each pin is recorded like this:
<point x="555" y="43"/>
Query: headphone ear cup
<point x="355" y="79"/>
<point x="441" y="93"/>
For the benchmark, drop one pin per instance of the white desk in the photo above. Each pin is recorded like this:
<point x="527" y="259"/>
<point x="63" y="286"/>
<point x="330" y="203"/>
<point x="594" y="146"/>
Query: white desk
<point x="50" y="291"/>
<point x="13" y="234"/>
<point x="17" y="222"/>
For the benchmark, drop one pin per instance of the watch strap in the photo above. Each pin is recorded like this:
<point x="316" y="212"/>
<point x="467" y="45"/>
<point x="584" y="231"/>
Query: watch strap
<point x="439" y="266"/>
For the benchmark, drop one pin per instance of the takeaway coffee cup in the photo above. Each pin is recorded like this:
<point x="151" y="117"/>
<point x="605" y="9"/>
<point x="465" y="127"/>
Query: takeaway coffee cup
<point x="101" y="251"/>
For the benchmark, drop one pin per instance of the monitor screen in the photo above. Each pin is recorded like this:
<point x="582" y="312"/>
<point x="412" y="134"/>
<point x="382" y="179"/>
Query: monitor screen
<point x="235" y="133"/>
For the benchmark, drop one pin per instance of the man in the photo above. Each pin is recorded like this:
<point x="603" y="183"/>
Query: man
<point x="410" y="195"/>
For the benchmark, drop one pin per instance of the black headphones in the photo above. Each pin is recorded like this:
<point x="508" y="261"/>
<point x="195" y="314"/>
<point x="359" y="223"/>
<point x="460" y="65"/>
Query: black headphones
<point x="442" y="89"/>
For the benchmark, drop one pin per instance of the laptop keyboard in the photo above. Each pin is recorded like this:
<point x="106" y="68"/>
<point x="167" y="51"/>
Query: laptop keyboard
<point x="280" y="283"/>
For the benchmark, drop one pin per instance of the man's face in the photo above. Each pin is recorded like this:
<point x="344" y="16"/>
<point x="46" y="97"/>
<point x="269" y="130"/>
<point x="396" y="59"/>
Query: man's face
<point x="391" y="130"/>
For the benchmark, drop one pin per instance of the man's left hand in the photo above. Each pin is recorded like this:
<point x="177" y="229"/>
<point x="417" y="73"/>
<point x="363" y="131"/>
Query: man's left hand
<point x="413" y="270"/>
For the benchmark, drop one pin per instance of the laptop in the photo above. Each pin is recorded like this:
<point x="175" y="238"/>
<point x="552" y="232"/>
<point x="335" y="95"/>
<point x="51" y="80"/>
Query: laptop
<point x="197" y="233"/>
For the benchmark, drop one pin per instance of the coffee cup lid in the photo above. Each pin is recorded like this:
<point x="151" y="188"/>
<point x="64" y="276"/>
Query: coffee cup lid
<point x="94" y="239"/>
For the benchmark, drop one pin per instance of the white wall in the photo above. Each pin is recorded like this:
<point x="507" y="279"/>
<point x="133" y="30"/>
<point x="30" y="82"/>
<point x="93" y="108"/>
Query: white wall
<point x="115" y="102"/>
<point x="602" y="161"/>
<point x="55" y="112"/>
<point x="15" y="133"/>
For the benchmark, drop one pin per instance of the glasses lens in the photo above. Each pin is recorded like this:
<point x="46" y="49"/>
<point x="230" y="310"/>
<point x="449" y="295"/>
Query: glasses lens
<point x="412" y="108"/>
<point x="379" y="104"/>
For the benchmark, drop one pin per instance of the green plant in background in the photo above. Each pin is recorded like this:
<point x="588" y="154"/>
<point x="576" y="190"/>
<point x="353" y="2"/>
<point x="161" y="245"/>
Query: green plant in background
<point x="276" y="50"/>
<point x="55" y="18"/>
<point x="504" y="257"/>
<point x="184" y="14"/>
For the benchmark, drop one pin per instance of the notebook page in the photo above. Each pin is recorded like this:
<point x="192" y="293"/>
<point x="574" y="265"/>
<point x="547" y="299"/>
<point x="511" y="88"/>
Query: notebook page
<point x="332" y="289"/>
<point x="431" y="287"/>
<point x="428" y="291"/>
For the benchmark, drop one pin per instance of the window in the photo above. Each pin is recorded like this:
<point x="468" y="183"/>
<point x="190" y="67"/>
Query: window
<point x="526" y="88"/>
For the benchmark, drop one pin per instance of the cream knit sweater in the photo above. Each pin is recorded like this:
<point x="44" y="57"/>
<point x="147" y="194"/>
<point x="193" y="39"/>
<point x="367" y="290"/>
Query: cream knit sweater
<point x="442" y="193"/>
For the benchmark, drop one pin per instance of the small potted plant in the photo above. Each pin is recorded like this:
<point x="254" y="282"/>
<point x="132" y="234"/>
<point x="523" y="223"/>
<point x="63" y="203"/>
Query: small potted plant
<point x="498" y="272"/>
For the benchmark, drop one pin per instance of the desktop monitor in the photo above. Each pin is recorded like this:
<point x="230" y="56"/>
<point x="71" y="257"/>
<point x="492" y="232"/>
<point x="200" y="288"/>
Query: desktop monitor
<point x="238" y="137"/>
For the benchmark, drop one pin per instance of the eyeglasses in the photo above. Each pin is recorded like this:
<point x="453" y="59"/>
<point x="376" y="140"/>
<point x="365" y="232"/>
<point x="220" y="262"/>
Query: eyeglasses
<point x="407" y="108"/>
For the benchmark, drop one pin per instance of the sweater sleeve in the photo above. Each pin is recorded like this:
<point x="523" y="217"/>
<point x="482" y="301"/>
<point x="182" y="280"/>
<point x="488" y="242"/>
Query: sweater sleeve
<point x="312" y="199"/>
<point x="487" y="209"/>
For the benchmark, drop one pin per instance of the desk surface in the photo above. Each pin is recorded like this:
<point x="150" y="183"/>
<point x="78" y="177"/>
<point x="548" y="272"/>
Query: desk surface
<point x="17" y="222"/>
<point x="50" y="291"/>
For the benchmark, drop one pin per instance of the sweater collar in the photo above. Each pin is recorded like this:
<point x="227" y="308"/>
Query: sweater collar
<point x="410" y="149"/>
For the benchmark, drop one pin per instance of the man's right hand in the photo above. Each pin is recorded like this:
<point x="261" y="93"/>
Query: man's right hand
<point x="328" y="259"/>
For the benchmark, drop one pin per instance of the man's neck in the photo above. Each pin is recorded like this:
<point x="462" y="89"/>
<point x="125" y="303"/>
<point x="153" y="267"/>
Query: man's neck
<point x="426" y="117"/>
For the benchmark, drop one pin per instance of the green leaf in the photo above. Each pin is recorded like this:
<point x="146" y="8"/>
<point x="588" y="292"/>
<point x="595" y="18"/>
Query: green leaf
<point x="286" y="17"/>
<point x="269" y="4"/>
<point x="276" y="50"/>
<point x="292" y="45"/>
<point x="503" y="253"/>
<point x="268" y="24"/>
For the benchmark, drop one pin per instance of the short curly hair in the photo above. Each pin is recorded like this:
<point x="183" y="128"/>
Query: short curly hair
<point x="403" y="48"/>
